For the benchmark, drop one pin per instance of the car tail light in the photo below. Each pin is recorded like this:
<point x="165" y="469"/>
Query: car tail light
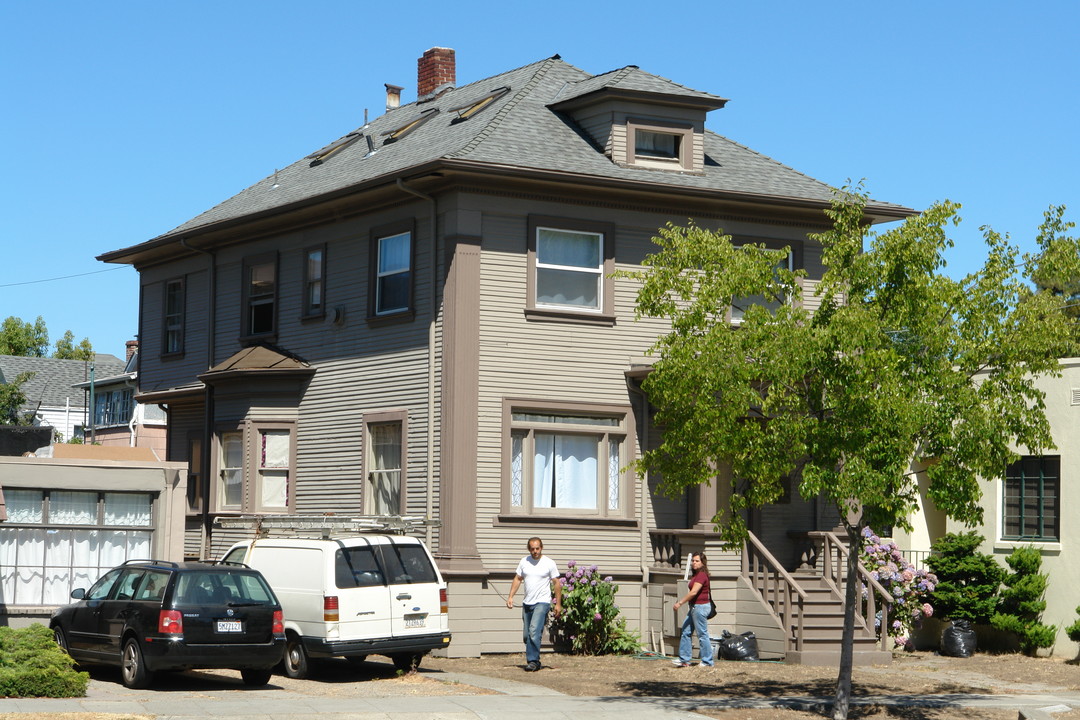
<point x="278" y="627"/>
<point x="330" y="608"/>
<point x="443" y="604"/>
<point x="170" y="622"/>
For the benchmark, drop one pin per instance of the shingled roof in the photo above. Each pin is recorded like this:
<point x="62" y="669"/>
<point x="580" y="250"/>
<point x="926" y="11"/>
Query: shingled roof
<point x="53" y="382"/>
<point x="521" y="129"/>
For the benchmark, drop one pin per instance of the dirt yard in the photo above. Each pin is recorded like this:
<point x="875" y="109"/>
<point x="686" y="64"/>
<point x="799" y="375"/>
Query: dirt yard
<point x="920" y="673"/>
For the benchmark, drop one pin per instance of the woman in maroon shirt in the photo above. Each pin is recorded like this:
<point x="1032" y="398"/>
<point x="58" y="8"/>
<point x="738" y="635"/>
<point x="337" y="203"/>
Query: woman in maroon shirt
<point x="697" y="617"/>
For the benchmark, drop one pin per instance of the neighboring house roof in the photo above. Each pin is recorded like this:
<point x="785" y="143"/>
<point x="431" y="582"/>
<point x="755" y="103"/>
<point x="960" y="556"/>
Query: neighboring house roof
<point x="53" y="382"/>
<point x="520" y="131"/>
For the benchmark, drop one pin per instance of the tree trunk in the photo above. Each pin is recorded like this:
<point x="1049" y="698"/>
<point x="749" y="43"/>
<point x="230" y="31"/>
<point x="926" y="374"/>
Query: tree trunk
<point x="842" y="702"/>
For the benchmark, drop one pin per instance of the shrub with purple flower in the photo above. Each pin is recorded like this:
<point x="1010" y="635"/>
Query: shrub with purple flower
<point x="908" y="586"/>
<point x="590" y="620"/>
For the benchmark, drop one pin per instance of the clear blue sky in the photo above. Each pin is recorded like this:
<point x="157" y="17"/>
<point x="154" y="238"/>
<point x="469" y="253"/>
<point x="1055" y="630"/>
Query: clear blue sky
<point x="122" y="120"/>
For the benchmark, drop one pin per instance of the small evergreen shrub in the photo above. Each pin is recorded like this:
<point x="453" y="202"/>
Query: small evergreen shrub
<point x="1073" y="630"/>
<point x="968" y="581"/>
<point x="590" y="622"/>
<point x="1021" y="607"/>
<point x="33" y="665"/>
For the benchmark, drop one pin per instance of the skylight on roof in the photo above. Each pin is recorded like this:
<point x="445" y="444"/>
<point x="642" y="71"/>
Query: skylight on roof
<point x="412" y="124"/>
<point x="320" y="156"/>
<point x="469" y="109"/>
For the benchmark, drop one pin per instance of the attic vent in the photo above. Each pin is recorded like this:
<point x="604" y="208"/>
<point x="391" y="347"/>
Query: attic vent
<point x="319" y="157"/>
<point x="412" y="124"/>
<point x="467" y="111"/>
<point x="1075" y="396"/>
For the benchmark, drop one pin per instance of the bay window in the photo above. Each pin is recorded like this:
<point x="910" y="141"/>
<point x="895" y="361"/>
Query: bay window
<point x="255" y="468"/>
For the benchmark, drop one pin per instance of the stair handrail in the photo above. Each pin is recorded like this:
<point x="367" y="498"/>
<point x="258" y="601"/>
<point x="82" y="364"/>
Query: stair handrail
<point x="776" y="587"/>
<point x="837" y="577"/>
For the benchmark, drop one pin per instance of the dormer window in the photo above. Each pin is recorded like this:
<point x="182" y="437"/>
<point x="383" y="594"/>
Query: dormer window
<point x="660" y="144"/>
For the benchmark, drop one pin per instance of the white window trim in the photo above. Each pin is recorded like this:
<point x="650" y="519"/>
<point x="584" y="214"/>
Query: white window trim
<point x="604" y="314"/>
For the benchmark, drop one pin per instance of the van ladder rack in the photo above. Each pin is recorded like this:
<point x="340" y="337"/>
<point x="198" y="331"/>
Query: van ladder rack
<point x="326" y="525"/>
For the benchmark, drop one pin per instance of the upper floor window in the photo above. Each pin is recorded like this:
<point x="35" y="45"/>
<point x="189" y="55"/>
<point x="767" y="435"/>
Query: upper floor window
<point x="173" y="322"/>
<point x="391" y="276"/>
<point x="260" y="295"/>
<point x="314" y="281"/>
<point x="569" y="262"/>
<point x="114" y="407"/>
<point x="567" y="461"/>
<point x="661" y="145"/>
<point x="739" y="305"/>
<point x="1031" y="497"/>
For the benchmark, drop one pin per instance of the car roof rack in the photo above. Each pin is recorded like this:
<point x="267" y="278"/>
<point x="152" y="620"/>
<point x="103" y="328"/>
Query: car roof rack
<point x="324" y="525"/>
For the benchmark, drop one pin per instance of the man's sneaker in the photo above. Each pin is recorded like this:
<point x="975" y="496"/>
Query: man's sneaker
<point x="680" y="663"/>
<point x="532" y="666"/>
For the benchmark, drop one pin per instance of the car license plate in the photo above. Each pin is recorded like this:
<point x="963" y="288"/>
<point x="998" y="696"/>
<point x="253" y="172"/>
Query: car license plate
<point x="229" y="626"/>
<point x="415" y="621"/>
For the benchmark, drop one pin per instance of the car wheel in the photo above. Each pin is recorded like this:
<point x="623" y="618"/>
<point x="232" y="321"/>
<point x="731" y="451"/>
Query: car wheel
<point x="255" y="676"/>
<point x="296" y="657"/>
<point x="132" y="666"/>
<point x="406" y="662"/>
<point x="61" y="638"/>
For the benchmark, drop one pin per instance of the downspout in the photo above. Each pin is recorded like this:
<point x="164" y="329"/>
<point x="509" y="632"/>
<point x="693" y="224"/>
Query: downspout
<point x="208" y="405"/>
<point x="431" y="357"/>
<point x="643" y="535"/>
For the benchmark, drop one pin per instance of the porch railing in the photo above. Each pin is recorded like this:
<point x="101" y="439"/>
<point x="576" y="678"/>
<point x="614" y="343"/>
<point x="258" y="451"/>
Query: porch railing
<point x="831" y="555"/>
<point x="781" y="594"/>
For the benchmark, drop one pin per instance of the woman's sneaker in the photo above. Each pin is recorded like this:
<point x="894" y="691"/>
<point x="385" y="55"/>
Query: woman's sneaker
<point x="680" y="663"/>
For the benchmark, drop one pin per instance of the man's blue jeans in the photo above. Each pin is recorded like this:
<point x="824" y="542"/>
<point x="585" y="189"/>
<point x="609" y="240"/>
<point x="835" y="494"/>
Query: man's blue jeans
<point x="533" y="618"/>
<point x="696" y="622"/>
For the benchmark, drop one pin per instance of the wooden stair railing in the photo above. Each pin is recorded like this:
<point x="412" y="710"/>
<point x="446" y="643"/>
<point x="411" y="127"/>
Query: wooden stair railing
<point x="779" y="591"/>
<point x="831" y="559"/>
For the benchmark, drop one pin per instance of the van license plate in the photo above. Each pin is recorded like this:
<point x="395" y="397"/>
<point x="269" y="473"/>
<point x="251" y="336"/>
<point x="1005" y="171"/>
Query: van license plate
<point x="415" y="621"/>
<point x="229" y="626"/>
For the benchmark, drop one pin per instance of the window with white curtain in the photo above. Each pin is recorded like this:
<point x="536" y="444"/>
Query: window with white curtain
<point x="255" y="467"/>
<point x="57" y="540"/>
<point x="384" y="475"/>
<point x="569" y="268"/>
<point x="566" y="463"/>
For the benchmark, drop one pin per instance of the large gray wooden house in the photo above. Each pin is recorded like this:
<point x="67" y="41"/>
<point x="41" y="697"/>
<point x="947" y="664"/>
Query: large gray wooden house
<point x="419" y="317"/>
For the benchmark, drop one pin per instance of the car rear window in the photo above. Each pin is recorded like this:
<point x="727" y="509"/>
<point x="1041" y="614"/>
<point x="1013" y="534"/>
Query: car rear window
<point x="222" y="588"/>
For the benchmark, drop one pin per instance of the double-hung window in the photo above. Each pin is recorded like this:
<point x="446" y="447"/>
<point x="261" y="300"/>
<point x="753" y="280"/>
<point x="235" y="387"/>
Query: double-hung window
<point x="567" y="461"/>
<point x="740" y="305"/>
<point x="1031" y="499"/>
<point x="384" y="462"/>
<point x="56" y="540"/>
<point x="314" y="282"/>
<point x="260" y="295"/>
<point x="569" y="267"/>
<point x="391" y="276"/>
<point x="173" y="323"/>
<point x="255" y="468"/>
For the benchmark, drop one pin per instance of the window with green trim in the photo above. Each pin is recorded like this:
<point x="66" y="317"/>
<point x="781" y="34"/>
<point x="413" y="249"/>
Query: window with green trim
<point x="1031" y="499"/>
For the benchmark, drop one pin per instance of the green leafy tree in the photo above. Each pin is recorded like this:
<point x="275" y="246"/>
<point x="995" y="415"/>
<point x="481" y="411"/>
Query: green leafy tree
<point x="1059" y="281"/>
<point x="1021" y="607"/>
<point x="968" y="580"/>
<point x="24" y="338"/>
<point x="12" y="400"/>
<point x="66" y="349"/>
<point x="900" y="362"/>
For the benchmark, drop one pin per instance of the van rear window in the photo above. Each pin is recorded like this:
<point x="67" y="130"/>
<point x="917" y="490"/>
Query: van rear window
<point x="408" y="564"/>
<point x="357" y="567"/>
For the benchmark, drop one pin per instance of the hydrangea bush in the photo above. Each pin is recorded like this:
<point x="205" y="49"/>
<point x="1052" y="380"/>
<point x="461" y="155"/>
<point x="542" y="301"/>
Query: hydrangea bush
<point x="590" y="623"/>
<point x="909" y="587"/>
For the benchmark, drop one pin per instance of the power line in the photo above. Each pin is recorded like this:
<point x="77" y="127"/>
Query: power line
<point x="63" y="277"/>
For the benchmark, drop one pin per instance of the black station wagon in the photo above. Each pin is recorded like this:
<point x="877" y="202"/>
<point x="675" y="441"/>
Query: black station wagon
<point x="150" y="615"/>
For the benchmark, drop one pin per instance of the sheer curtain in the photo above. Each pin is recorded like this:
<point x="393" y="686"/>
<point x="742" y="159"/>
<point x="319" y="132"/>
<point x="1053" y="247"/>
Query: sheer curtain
<point x="564" y="471"/>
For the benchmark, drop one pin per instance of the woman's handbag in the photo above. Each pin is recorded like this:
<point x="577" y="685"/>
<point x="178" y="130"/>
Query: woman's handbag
<point x="712" y="609"/>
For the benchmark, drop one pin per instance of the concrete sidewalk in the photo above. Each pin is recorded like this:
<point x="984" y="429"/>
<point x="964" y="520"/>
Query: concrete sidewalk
<point x="512" y="699"/>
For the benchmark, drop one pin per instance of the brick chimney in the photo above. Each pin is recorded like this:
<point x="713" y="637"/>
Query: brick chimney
<point x="131" y="346"/>
<point x="436" y="71"/>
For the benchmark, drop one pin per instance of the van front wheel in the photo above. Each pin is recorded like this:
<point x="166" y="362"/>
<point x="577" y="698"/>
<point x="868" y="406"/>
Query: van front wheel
<point x="296" y="657"/>
<point x="407" y="662"/>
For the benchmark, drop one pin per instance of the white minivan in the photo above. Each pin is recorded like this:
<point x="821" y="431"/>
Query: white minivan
<point x="352" y="597"/>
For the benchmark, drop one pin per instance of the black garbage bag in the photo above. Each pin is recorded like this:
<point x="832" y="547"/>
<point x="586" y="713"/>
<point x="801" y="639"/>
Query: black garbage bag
<point x="738" y="647"/>
<point x="958" y="640"/>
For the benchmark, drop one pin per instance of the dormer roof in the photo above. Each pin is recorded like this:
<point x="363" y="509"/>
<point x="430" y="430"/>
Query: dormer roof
<point x="632" y="83"/>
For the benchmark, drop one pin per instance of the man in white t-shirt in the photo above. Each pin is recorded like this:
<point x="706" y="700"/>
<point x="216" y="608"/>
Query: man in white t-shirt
<point x="537" y="572"/>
